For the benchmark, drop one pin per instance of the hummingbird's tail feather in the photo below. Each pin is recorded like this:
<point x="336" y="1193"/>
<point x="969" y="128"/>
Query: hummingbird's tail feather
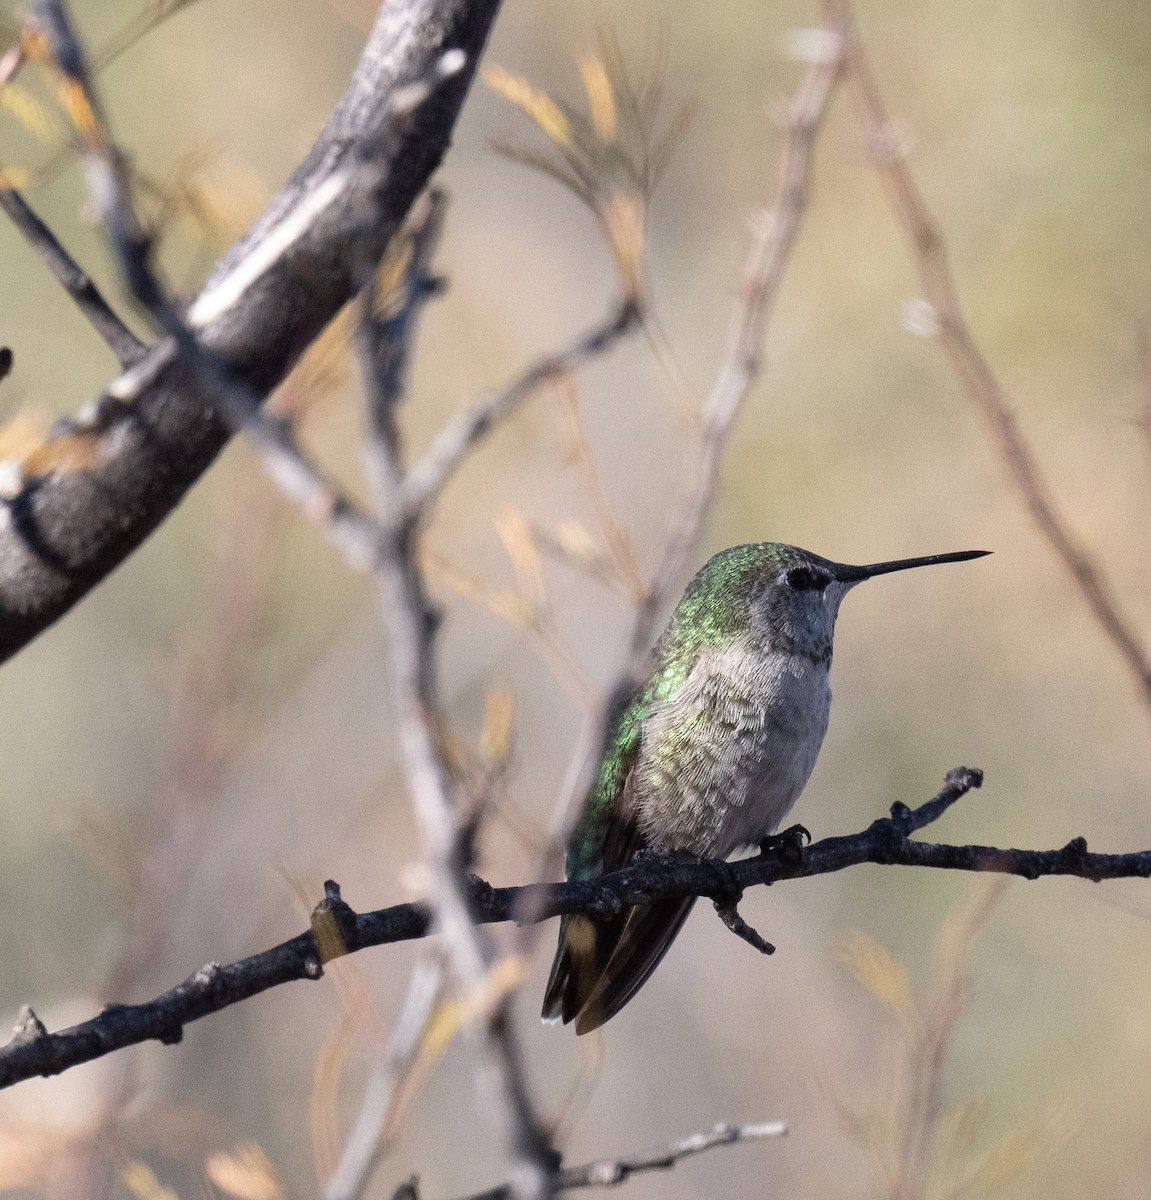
<point x="572" y="962"/>
<point x="598" y="968"/>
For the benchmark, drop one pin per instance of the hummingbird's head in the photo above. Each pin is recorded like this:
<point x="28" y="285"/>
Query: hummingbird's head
<point x="782" y="597"/>
<point x="794" y="606"/>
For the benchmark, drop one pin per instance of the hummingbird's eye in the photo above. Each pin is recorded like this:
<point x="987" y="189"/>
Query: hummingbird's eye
<point x="804" y="579"/>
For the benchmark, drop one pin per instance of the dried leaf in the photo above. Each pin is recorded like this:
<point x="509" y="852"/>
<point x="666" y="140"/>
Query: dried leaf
<point x="141" y="1181"/>
<point x="500" y="601"/>
<point x="246" y="1173"/>
<point x="961" y="1126"/>
<point x="874" y="966"/>
<point x="516" y="535"/>
<point x="25" y="108"/>
<point x="1010" y="1155"/>
<point x="538" y="105"/>
<point x="600" y="98"/>
<point x="324" y="1105"/>
<point x="496" y="734"/>
<point x="74" y="99"/>
<point x="623" y="222"/>
<point x="1006" y="1158"/>
<point x="575" y="540"/>
<point x="504" y="976"/>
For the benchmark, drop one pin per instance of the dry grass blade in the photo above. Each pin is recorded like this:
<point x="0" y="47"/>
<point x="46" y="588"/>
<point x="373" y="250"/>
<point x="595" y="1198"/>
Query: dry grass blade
<point x="621" y="555"/>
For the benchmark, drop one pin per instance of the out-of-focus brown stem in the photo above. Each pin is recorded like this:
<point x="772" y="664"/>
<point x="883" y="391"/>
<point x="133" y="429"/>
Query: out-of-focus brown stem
<point x="975" y="373"/>
<point x="775" y="234"/>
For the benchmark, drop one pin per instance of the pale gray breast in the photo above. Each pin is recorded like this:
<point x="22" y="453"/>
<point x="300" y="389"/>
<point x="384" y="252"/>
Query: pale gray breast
<point x="720" y="765"/>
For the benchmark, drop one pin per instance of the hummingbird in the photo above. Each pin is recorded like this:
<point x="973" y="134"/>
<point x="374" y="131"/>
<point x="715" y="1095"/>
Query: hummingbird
<point x="708" y="754"/>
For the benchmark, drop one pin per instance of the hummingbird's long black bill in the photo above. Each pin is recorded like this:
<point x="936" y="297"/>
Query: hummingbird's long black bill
<point x="857" y="574"/>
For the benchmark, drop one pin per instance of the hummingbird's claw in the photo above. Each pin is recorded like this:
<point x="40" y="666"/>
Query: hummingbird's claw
<point x="787" y="844"/>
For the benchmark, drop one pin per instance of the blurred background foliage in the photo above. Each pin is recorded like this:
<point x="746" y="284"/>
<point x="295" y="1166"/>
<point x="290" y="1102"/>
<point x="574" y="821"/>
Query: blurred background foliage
<point x="207" y="735"/>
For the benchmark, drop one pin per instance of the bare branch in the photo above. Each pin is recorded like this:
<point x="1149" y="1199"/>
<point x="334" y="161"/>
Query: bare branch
<point x="410" y="624"/>
<point x="947" y="322"/>
<point x="123" y="343"/>
<point x="887" y="841"/>
<point x="610" y="1172"/>
<point x="427" y="478"/>
<point x="353" y="531"/>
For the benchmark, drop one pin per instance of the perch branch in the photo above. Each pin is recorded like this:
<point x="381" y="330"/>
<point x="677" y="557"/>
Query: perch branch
<point x="886" y="841"/>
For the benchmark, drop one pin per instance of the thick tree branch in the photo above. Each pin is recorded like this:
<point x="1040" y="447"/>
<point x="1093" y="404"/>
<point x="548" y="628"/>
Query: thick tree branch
<point x="154" y="431"/>
<point x="887" y="841"/>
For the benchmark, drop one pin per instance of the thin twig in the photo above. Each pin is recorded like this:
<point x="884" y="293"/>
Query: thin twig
<point x="887" y="841"/>
<point x="978" y="379"/>
<point x="776" y="232"/>
<point x="620" y="552"/>
<point x="917" y="1129"/>
<point x="426" y="479"/>
<point x="123" y="343"/>
<point x="367" y="1139"/>
<point x="410" y="624"/>
<point x="611" y="1172"/>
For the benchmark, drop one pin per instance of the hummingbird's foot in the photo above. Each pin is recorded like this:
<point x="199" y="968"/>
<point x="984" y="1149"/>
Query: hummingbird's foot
<point x="730" y="893"/>
<point x="729" y="915"/>
<point x="788" y="844"/>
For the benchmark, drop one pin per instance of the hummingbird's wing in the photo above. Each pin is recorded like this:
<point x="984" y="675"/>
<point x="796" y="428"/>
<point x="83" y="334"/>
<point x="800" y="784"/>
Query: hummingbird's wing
<point x="600" y="965"/>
